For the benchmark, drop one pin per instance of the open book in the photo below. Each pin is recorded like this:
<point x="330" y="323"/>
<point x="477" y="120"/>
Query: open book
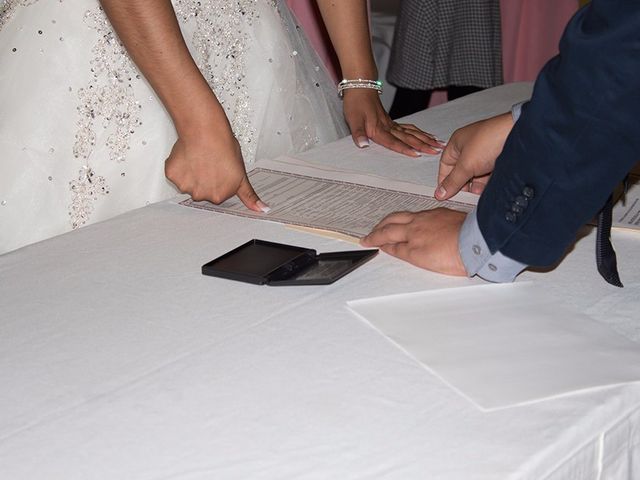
<point x="346" y="203"/>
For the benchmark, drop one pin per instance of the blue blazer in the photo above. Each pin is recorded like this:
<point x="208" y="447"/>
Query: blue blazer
<point x="576" y="138"/>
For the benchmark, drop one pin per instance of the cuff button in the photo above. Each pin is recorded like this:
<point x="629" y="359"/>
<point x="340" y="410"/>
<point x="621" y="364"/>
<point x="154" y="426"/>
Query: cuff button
<point x="521" y="201"/>
<point x="528" y="192"/>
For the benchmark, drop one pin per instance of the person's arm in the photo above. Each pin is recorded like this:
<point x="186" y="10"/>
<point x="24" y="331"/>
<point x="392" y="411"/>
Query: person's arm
<point x="467" y="164"/>
<point x="469" y="158"/>
<point x="348" y="26"/>
<point x="206" y="161"/>
<point x="574" y="141"/>
<point x="577" y="137"/>
<point x="444" y="240"/>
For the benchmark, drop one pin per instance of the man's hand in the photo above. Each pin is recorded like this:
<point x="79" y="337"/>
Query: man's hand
<point x="468" y="160"/>
<point x="427" y="239"/>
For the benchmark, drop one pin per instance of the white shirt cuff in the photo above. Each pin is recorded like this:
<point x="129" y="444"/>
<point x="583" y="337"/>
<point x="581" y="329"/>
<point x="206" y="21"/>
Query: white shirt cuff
<point x="516" y="110"/>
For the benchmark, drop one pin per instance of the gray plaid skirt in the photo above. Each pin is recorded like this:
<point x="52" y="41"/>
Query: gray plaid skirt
<point x="438" y="43"/>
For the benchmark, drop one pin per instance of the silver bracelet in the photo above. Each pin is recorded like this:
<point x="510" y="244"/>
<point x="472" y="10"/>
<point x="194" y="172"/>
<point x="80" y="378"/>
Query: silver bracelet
<point x="359" y="83"/>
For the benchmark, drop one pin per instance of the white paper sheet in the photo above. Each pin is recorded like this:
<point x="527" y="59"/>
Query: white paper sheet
<point x="626" y="212"/>
<point x="329" y="199"/>
<point x="503" y="345"/>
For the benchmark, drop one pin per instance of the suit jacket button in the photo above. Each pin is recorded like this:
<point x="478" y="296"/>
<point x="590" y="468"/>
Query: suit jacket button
<point x="521" y="201"/>
<point x="528" y="192"/>
<point x="510" y="217"/>
<point x="517" y="209"/>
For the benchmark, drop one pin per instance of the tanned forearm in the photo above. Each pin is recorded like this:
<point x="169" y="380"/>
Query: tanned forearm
<point x="348" y="26"/>
<point x="150" y="32"/>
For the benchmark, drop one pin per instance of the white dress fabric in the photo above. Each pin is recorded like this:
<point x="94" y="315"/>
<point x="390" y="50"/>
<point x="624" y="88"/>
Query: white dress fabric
<point x="82" y="135"/>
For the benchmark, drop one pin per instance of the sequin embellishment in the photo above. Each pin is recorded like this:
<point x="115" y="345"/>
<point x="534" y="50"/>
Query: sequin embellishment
<point x="8" y="8"/>
<point x="85" y="190"/>
<point x="108" y="101"/>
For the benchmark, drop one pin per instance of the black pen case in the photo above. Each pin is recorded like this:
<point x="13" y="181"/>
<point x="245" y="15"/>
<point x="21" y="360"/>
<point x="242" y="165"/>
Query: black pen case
<point x="261" y="262"/>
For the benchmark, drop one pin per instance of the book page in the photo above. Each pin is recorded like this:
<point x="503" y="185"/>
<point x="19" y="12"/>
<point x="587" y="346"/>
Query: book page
<point x="337" y="201"/>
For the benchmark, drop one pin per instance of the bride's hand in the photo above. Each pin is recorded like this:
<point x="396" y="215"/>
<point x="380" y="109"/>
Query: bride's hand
<point x="206" y="161"/>
<point x="210" y="167"/>
<point x="367" y="120"/>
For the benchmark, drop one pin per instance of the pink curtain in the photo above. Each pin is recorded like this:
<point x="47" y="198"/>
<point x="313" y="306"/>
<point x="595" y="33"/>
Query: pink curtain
<point x="531" y="31"/>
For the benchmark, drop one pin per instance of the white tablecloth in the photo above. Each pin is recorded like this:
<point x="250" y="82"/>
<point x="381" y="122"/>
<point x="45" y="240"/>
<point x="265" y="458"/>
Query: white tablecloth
<point x="119" y="360"/>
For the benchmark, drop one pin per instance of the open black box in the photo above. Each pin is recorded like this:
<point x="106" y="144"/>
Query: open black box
<point x="261" y="262"/>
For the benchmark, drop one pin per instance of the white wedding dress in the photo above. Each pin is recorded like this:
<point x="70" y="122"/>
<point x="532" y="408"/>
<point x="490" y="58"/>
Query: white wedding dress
<point x="82" y="135"/>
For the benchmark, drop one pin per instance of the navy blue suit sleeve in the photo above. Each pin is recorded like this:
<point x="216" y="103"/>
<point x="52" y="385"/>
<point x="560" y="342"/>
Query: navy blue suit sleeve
<point x="575" y="140"/>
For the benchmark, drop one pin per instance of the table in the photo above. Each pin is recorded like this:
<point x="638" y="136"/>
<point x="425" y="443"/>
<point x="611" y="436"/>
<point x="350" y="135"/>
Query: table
<point x="118" y="360"/>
